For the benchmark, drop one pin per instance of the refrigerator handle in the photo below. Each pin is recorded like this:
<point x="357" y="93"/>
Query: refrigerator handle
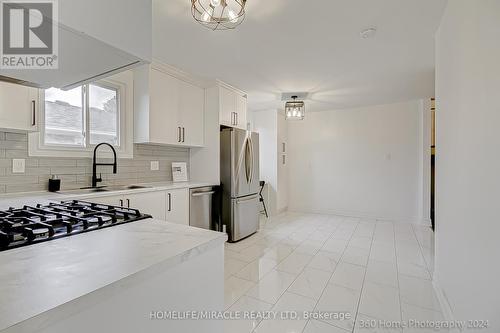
<point x="251" y="158"/>
<point x="247" y="158"/>
<point x="240" y="161"/>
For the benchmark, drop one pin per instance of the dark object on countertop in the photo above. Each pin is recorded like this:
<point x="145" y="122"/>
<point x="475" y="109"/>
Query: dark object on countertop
<point x="96" y="180"/>
<point x="35" y="224"/>
<point x="54" y="184"/>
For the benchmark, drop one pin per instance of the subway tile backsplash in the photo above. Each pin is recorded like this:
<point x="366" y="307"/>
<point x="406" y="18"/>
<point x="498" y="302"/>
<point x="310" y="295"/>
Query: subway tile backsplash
<point x="76" y="172"/>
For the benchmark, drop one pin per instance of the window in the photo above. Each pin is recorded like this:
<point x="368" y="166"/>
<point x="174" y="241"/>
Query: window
<point x="81" y="117"/>
<point x="73" y="122"/>
<point x="103" y="115"/>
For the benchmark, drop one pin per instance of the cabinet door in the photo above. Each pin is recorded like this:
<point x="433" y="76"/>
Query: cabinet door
<point x="164" y="122"/>
<point x="241" y="111"/>
<point x="152" y="203"/>
<point x="114" y="200"/>
<point x="177" y="206"/>
<point x="18" y="107"/>
<point x="192" y="106"/>
<point x="227" y="106"/>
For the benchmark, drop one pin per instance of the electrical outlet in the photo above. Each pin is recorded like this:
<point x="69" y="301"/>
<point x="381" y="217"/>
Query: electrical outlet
<point x="18" y="165"/>
<point x="155" y="165"/>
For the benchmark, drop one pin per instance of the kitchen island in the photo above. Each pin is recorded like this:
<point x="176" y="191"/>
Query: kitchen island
<point x="126" y="278"/>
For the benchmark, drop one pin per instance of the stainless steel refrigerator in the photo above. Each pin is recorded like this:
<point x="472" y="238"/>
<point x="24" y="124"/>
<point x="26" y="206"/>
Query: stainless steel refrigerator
<point x="239" y="154"/>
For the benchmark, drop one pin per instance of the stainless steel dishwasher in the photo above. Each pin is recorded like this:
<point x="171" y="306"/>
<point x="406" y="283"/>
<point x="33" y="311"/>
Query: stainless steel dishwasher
<point x="201" y="206"/>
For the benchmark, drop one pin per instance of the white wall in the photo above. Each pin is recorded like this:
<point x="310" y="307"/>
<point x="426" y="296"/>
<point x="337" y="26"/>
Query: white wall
<point x="265" y="123"/>
<point x="362" y="162"/>
<point x="282" y="165"/>
<point x="468" y="159"/>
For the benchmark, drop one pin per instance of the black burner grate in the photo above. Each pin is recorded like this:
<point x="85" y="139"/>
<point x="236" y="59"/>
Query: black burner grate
<point x="29" y="225"/>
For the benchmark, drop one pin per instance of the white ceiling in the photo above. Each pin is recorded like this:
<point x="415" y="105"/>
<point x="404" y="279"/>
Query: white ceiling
<point x="309" y="45"/>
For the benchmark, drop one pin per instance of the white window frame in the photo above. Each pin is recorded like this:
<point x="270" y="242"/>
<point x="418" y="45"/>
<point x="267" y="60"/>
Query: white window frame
<point x="123" y="84"/>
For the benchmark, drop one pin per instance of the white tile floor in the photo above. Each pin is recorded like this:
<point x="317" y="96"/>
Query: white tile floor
<point x="304" y="262"/>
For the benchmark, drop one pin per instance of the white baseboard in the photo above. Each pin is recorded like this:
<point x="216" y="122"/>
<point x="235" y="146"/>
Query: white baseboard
<point x="427" y="222"/>
<point x="282" y="210"/>
<point x="402" y="219"/>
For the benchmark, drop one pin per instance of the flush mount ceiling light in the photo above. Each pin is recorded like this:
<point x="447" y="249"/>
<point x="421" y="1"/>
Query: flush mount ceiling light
<point x="368" y="33"/>
<point x="218" y="14"/>
<point x="295" y="110"/>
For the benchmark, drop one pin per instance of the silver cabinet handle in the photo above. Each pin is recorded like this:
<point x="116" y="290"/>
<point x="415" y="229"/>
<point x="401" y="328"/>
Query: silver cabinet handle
<point x="33" y="113"/>
<point x="284" y="147"/>
<point x="128" y="203"/>
<point x="121" y="202"/>
<point x="232" y="118"/>
<point x="169" y="202"/>
<point x="179" y="134"/>
<point x="199" y="194"/>
<point x="236" y="118"/>
<point x="183" y="134"/>
<point x="284" y="159"/>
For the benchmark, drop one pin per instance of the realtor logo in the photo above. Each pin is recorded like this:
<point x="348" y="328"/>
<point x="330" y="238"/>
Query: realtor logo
<point x="28" y="34"/>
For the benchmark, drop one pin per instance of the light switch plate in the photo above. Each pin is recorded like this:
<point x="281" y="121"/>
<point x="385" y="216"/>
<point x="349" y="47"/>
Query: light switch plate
<point x="155" y="165"/>
<point x="18" y="165"/>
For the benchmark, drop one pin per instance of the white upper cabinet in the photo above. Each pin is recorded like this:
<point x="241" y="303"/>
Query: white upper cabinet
<point x="192" y="106"/>
<point x="227" y="106"/>
<point x="95" y="39"/>
<point x="164" y="109"/>
<point x="18" y="107"/>
<point x="233" y="107"/>
<point x="241" y="111"/>
<point x="167" y="110"/>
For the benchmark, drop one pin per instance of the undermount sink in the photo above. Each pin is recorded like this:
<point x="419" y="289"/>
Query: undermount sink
<point x="111" y="188"/>
<point x="134" y="187"/>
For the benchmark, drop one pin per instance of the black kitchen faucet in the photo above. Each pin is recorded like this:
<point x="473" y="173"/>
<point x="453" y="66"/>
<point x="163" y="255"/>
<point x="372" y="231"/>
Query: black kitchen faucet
<point x="96" y="180"/>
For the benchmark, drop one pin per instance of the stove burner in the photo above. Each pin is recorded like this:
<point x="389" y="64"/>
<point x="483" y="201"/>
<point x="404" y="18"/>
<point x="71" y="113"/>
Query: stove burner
<point x="30" y="225"/>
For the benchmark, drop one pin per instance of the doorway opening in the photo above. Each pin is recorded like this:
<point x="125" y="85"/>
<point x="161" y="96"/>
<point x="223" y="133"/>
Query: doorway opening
<point x="433" y="160"/>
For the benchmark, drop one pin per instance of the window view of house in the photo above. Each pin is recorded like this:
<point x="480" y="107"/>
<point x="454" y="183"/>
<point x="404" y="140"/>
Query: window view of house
<point x="64" y="121"/>
<point x="71" y="116"/>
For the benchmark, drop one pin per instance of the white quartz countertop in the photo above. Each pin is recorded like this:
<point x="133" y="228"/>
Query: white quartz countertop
<point x="40" y="277"/>
<point x="31" y="198"/>
<point x="149" y="187"/>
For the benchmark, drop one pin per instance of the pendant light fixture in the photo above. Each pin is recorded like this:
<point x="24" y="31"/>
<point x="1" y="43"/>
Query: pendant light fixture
<point x="218" y="14"/>
<point x="295" y="110"/>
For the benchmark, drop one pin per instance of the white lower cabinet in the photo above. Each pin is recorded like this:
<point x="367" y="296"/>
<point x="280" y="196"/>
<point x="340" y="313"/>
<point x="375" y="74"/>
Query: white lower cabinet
<point x="112" y="200"/>
<point x="152" y="203"/>
<point x="177" y="206"/>
<point x="171" y="206"/>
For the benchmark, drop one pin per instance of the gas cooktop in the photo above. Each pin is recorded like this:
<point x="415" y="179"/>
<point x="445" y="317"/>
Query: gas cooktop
<point x="31" y="225"/>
